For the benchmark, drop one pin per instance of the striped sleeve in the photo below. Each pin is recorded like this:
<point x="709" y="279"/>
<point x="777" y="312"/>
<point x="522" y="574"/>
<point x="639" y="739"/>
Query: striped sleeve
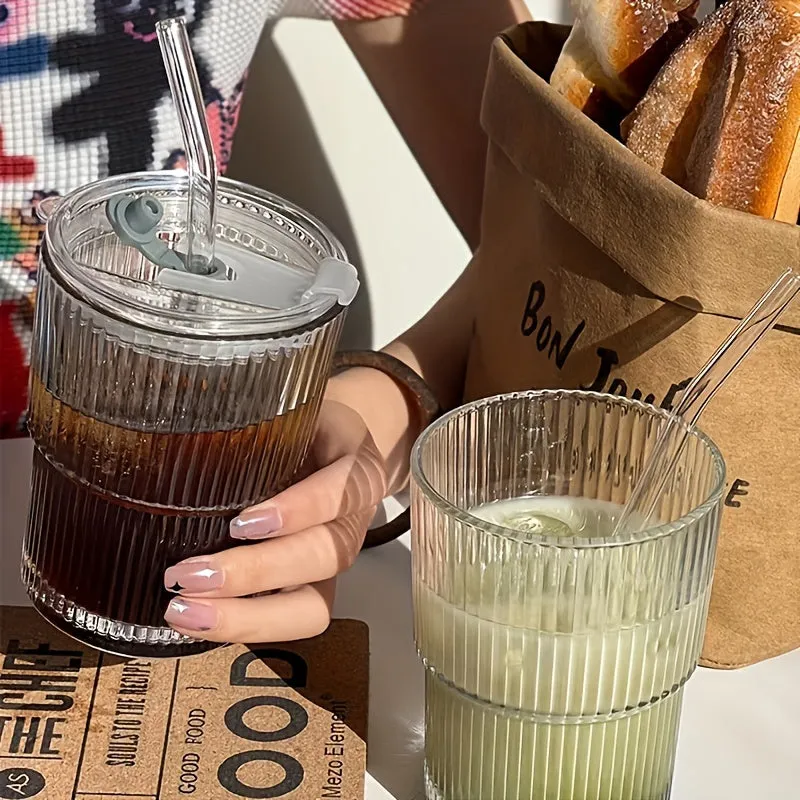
<point x="345" y="10"/>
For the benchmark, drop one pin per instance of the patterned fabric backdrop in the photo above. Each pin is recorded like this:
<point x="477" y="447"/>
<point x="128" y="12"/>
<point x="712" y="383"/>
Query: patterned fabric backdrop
<point x="83" y="95"/>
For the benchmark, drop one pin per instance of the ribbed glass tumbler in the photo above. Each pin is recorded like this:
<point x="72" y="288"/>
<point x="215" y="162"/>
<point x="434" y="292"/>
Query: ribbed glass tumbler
<point x="555" y="652"/>
<point x="157" y="413"/>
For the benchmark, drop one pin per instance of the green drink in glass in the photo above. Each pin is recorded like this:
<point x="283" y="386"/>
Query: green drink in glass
<point x="556" y="653"/>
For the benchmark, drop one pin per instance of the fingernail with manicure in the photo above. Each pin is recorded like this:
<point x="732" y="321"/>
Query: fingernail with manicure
<point x="257" y="523"/>
<point x="190" y="616"/>
<point x="193" y="575"/>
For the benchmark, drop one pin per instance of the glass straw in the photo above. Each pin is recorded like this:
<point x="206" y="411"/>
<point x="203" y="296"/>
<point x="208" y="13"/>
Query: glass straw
<point x="200" y="158"/>
<point x="643" y="502"/>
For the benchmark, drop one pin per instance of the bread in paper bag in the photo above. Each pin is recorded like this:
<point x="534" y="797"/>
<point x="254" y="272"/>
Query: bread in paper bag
<point x="597" y="272"/>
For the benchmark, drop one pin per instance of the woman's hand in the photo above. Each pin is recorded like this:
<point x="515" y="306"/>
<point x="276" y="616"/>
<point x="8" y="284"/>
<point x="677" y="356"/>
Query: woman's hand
<point x="303" y="538"/>
<point x="314" y="530"/>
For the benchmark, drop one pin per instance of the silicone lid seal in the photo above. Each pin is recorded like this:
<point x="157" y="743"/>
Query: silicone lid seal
<point x="135" y="220"/>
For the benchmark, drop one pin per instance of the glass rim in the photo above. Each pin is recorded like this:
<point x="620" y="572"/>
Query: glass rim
<point x="220" y="324"/>
<point x="450" y="509"/>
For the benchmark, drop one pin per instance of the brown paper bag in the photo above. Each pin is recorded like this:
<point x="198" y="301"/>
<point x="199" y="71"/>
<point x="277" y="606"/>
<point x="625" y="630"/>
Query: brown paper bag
<point x="595" y="271"/>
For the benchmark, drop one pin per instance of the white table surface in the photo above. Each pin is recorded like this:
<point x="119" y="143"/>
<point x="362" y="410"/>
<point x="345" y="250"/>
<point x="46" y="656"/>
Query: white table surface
<point x="740" y="732"/>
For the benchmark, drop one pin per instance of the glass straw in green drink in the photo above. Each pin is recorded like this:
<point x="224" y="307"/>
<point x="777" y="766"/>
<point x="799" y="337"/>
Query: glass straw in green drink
<point x="642" y="505"/>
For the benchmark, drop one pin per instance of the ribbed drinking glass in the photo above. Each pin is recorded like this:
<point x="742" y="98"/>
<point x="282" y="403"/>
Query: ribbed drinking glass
<point x="157" y="414"/>
<point x="555" y="653"/>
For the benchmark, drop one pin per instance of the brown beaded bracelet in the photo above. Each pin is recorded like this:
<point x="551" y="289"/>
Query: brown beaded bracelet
<point x="428" y="408"/>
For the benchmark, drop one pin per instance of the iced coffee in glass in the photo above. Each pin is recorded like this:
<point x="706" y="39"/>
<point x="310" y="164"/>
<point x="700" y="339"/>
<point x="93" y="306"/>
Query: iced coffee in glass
<point x="163" y="402"/>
